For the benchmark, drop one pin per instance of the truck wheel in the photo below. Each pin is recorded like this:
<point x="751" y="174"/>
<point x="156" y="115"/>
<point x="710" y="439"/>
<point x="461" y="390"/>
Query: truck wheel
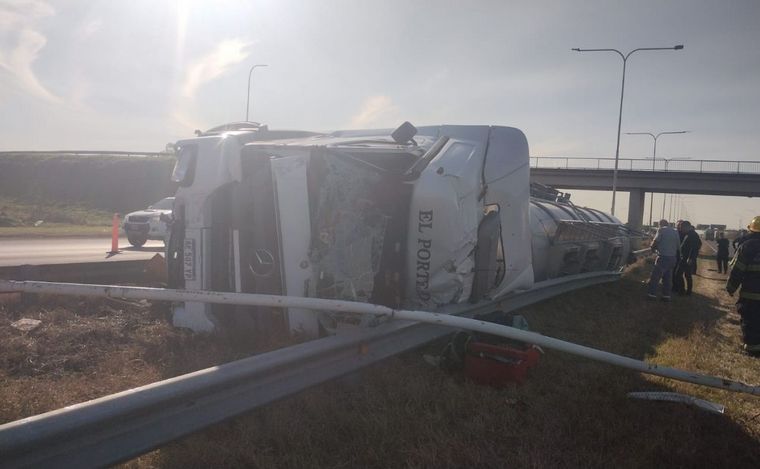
<point x="136" y="241"/>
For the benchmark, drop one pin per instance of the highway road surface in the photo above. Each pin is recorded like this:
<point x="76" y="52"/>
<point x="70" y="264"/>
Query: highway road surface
<point x="713" y="247"/>
<point x="40" y="251"/>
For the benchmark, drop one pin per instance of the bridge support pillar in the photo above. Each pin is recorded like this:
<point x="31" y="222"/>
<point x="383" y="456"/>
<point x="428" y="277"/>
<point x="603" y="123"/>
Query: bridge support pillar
<point x="636" y="209"/>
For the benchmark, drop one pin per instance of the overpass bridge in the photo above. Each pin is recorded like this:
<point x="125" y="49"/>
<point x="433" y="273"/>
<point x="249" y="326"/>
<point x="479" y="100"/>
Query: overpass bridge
<point x="639" y="176"/>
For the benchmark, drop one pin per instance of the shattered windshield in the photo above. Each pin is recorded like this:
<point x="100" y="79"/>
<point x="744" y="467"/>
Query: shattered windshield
<point x="349" y="227"/>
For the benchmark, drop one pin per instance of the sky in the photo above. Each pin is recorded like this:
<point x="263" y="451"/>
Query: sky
<point x="107" y="75"/>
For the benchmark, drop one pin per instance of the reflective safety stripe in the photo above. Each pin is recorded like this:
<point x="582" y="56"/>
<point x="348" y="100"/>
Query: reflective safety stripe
<point x="749" y="295"/>
<point x="746" y="268"/>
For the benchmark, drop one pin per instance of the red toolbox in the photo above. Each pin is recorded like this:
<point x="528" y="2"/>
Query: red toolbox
<point x="498" y="365"/>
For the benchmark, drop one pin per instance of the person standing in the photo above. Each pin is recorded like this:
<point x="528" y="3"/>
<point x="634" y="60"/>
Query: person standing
<point x="690" y="247"/>
<point x="745" y="273"/>
<point x="678" y="283"/>
<point x="665" y="244"/>
<point x="740" y="239"/>
<point x="722" y="254"/>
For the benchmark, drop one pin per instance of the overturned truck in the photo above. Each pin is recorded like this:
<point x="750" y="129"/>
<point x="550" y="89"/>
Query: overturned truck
<point x="415" y="218"/>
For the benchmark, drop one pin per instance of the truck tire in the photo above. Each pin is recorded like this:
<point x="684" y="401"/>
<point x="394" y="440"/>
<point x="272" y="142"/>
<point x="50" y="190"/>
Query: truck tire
<point x="136" y="240"/>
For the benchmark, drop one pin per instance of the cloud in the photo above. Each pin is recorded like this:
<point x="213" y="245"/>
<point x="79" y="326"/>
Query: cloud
<point x="17" y="12"/>
<point x="20" y="44"/>
<point x="89" y="28"/>
<point x="228" y="53"/>
<point x="18" y="63"/>
<point x="211" y="66"/>
<point x="376" y="111"/>
<point x="183" y="123"/>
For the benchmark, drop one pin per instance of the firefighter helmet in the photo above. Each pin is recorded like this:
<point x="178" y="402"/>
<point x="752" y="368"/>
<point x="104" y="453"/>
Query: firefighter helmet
<point x="754" y="225"/>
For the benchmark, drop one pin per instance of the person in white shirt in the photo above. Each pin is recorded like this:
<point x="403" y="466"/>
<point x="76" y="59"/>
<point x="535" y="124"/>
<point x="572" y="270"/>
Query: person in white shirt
<point x="666" y="244"/>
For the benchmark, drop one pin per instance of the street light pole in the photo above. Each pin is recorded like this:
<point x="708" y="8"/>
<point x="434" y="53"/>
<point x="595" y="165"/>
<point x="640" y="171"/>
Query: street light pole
<point x="677" y="210"/>
<point x="248" y="96"/>
<point x="665" y="196"/>
<point x="620" y="114"/>
<point x="654" y="157"/>
<point x="670" y="208"/>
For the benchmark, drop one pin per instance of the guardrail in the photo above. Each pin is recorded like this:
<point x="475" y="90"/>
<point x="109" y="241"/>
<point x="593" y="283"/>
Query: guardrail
<point x="645" y="164"/>
<point x="132" y="271"/>
<point x="121" y="426"/>
<point x="139" y="154"/>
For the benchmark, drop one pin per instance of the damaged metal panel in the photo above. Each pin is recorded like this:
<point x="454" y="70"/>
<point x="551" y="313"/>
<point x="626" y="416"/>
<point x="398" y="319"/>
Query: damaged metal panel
<point x="443" y="226"/>
<point x="506" y="175"/>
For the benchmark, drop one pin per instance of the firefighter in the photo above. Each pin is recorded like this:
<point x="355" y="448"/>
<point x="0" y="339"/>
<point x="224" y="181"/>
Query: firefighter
<point x="745" y="272"/>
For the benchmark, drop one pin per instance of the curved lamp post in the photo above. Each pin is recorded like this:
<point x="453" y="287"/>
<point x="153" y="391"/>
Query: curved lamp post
<point x="248" y="96"/>
<point x="654" y="157"/>
<point x="620" y="114"/>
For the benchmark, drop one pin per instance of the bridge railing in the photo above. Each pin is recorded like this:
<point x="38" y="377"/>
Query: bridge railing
<point x="640" y="164"/>
<point x="139" y="154"/>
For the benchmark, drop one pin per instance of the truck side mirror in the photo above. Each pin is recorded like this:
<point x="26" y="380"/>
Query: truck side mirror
<point x="404" y="133"/>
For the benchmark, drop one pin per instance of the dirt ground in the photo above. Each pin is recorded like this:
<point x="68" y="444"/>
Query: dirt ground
<point x="404" y="413"/>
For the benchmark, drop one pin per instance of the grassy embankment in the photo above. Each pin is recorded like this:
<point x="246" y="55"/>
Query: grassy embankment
<point x="46" y="219"/>
<point x="76" y="195"/>
<point x="402" y="413"/>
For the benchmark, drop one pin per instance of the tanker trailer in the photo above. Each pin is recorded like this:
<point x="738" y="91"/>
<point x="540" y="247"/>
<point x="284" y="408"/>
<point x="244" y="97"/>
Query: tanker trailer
<point x="416" y="218"/>
<point x="567" y="239"/>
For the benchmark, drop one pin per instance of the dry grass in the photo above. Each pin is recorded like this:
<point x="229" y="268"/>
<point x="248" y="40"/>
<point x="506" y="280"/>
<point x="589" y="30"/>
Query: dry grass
<point x="85" y="349"/>
<point x="402" y="413"/>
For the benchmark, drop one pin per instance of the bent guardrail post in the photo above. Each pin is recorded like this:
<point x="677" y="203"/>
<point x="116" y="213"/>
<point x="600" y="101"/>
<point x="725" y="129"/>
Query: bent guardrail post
<point x="121" y="426"/>
<point x="255" y="299"/>
<point x="118" y="427"/>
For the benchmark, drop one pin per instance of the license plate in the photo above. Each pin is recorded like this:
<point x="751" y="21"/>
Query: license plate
<point x="139" y="228"/>
<point x="188" y="258"/>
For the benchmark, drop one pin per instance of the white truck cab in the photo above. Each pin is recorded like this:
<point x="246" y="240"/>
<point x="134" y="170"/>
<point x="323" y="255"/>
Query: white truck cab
<point x="416" y="218"/>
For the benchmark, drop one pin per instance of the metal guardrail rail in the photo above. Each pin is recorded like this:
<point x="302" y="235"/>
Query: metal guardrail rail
<point x="121" y="426"/>
<point x="643" y="252"/>
<point x="133" y="271"/>
<point x="645" y="164"/>
<point x="141" y="154"/>
<point x="544" y="162"/>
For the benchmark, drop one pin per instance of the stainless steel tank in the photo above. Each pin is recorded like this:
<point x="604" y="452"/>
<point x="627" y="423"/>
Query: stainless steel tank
<point x="567" y="240"/>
